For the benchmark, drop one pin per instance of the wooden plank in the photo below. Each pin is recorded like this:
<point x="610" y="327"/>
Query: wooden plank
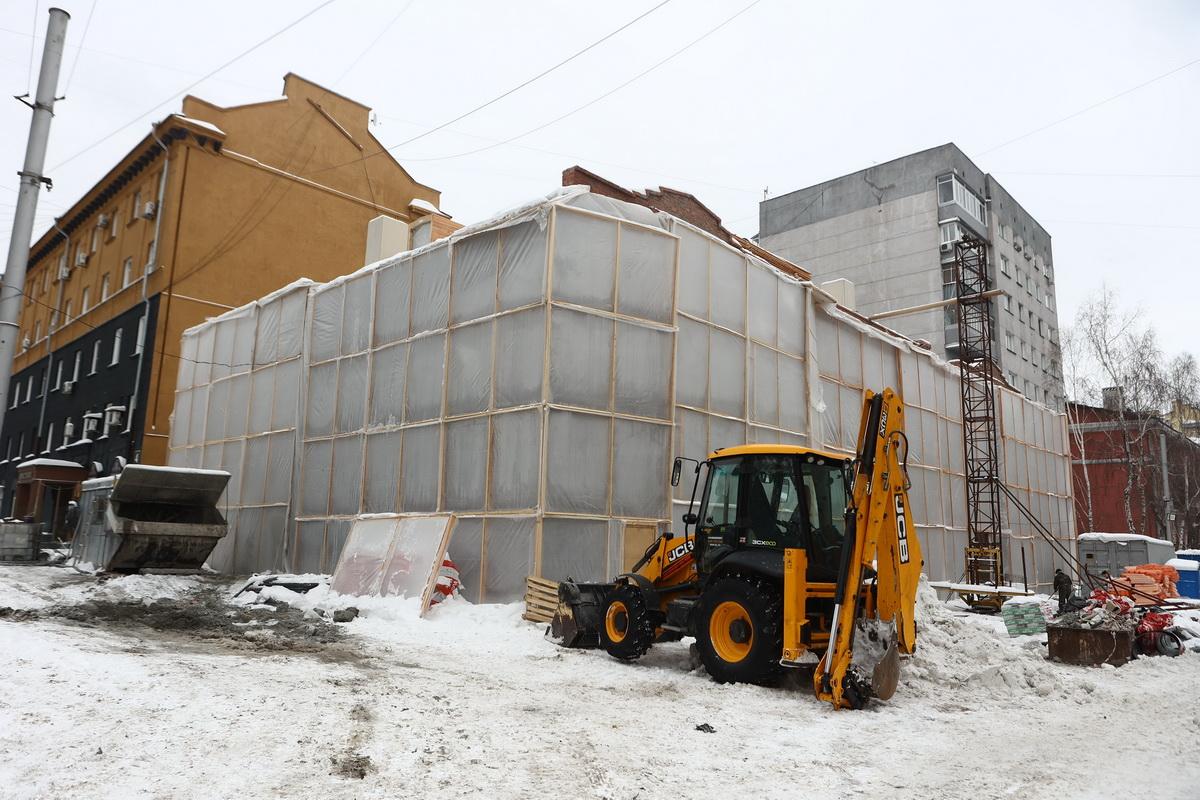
<point x="533" y="580"/>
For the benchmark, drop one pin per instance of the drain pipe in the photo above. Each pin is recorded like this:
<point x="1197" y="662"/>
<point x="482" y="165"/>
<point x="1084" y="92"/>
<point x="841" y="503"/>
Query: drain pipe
<point x="135" y="455"/>
<point x="56" y="317"/>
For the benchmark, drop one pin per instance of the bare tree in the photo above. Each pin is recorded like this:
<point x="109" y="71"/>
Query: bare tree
<point x="1124" y="357"/>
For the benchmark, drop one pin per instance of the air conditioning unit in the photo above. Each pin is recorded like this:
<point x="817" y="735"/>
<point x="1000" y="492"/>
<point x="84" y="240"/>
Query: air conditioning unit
<point x="91" y="423"/>
<point x="104" y="221"/>
<point x="68" y="387"/>
<point x="947" y="247"/>
<point x="149" y="209"/>
<point x="81" y="259"/>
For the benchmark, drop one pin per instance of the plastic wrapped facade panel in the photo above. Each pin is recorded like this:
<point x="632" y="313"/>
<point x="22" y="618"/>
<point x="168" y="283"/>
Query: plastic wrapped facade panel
<point x="646" y="274"/>
<point x="581" y="348"/>
<point x="643" y="366"/>
<point x="520" y="354"/>
<point x="515" y="456"/>
<point x="423" y="390"/>
<point x="641" y="462"/>
<point x="585" y="258"/>
<point x="469" y="371"/>
<point x="392" y="297"/>
<point x="574" y="548"/>
<point x="522" y="265"/>
<point x="420" y="468"/>
<point x="430" y="290"/>
<point x="465" y="483"/>
<point x="382" y="478"/>
<point x="473" y="284"/>
<point x="466" y="551"/>
<point x="326" y="338"/>
<point x="509" y="556"/>
<point x="577" y="462"/>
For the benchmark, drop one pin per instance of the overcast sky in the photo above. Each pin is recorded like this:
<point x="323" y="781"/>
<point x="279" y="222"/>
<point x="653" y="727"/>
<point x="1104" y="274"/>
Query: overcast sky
<point x="785" y="95"/>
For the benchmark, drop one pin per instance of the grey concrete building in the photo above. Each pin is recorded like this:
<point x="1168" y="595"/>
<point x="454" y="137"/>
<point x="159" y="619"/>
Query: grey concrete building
<point x="890" y="230"/>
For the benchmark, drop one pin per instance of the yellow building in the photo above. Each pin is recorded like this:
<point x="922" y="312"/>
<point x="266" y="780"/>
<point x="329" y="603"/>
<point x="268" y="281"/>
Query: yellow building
<point x="214" y="208"/>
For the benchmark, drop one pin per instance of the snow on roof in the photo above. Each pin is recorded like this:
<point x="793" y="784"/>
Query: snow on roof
<point x="1184" y="564"/>
<point x="201" y="124"/>
<point x="1187" y="552"/>
<point x="1121" y="538"/>
<point x="185" y="470"/>
<point x="97" y="483"/>
<point x="425" y="205"/>
<point x="49" y="462"/>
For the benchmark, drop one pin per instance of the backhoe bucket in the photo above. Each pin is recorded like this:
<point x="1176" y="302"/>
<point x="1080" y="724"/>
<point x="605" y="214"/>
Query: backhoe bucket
<point x="576" y="622"/>
<point x="886" y="675"/>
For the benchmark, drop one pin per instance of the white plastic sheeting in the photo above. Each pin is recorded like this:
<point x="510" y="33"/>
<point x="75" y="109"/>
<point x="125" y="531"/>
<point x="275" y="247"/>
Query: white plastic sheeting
<point x="535" y="374"/>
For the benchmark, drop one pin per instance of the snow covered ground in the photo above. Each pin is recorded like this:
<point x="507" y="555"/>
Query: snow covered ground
<point x="148" y="686"/>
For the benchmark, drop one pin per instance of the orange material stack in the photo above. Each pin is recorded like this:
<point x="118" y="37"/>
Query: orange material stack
<point x="1148" y="582"/>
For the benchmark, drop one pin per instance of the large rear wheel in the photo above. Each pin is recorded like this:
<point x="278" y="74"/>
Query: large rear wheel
<point x="627" y="630"/>
<point x="739" y="630"/>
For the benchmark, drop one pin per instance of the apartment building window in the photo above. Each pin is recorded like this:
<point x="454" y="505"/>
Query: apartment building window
<point x="113" y="216"/>
<point x="95" y="239"/>
<point x="87" y="300"/>
<point x="21" y="444"/>
<point x="1006" y="301"/>
<point x="58" y="376"/>
<point x="950" y="232"/>
<point x="29" y="389"/>
<point x="1010" y="342"/>
<point x="1005" y="266"/>
<point x="116" y="351"/>
<point x="1021" y="312"/>
<point x="103" y="288"/>
<point x="1049" y="301"/>
<point x="67" y="313"/>
<point x="68" y="429"/>
<point x="43" y="381"/>
<point x="16" y="394"/>
<point x="127" y="273"/>
<point x="78" y="364"/>
<point x="141" y="336"/>
<point x="49" y="437"/>
<point x="1020" y="278"/>
<point x="137" y="203"/>
<point x="149" y="258"/>
<point x="96" y="356"/>
<point x="1041" y="328"/>
<point x="953" y="190"/>
<point x="1013" y="380"/>
<point x="37" y="331"/>
<point x="1024" y="349"/>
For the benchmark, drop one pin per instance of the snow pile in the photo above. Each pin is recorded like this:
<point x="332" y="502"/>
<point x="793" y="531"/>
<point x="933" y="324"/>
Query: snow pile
<point x="954" y="652"/>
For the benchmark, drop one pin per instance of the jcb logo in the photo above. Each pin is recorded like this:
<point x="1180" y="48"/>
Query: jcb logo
<point x="902" y="530"/>
<point x="681" y="551"/>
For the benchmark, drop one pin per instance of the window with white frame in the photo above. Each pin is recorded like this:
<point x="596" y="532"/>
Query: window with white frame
<point x="58" y="376"/>
<point x="78" y="364"/>
<point x="953" y="190"/>
<point x="113" y="217"/>
<point x="1020" y="278"/>
<point x="103" y="288"/>
<point x="96" y="356"/>
<point x="67" y="313"/>
<point x="16" y="395"/>
<point x="37" y="331"/>
<point x="87" y="299"/>
<point x="127" y="272"/>
<point x="116" y="351"/>
<point x="29" y="389"/>
<point x="95" y="239"/>
<point x="49" y="437"/>
<point x="1024" y="349"/>
<point x="1006" y="301"/>
<point x="1010" y="342"/>
<point x="1005" y="265"/>
<point x="1013" y="380"/>
<point x="141" y="335"/>
<point x="137" y="204"/>
<point x="951" y="232"/>
<point x="21" y="444"/>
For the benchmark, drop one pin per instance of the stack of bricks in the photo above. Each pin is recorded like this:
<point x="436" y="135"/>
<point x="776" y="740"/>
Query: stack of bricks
<point x="1023" y="619"/>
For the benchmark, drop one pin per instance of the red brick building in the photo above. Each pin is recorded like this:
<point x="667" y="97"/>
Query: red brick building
<point x="1134" y="474"/>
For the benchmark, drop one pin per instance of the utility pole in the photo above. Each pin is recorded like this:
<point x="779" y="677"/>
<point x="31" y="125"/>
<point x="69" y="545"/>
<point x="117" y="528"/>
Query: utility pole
<point x="13" y="287"/>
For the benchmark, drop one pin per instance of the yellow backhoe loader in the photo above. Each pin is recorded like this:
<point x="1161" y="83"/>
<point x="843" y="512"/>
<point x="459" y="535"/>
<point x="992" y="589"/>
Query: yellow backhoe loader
<point x="797" y="557"/>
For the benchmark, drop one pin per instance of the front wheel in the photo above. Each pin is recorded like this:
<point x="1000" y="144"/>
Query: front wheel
<point x="627" y="630"/>
<point x="740" y="630"/>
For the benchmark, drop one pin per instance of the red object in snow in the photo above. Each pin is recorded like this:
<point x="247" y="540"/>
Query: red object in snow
<point x="447" y="582"/>
<point x="1153" y="621"/>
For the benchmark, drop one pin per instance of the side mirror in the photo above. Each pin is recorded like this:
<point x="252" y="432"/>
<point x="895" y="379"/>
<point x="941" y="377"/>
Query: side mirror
<point x="690" y="518"/>
<point x="676" y="468"/>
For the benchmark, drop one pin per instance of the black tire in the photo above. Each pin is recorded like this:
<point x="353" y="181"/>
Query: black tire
<point x="627" y="626"/>
<point x="739" y="630"/>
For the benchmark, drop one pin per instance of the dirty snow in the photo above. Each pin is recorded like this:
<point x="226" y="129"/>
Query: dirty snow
<point x="472" y="701"/>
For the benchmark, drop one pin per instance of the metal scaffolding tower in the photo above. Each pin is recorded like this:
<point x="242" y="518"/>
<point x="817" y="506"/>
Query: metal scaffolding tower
<point x="984" y="557"/>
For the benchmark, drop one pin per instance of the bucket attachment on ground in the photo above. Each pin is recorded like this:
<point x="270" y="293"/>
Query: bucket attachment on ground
<point x="576" y="622"/>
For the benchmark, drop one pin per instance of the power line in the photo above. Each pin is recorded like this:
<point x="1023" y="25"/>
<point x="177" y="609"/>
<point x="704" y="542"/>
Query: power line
<point x="501" y="96"/>
<point x="374" y="42"/>
<point x="79" y="53"/>
<point x="193" y="84"/>
<point x="1092" y="106"/>
<point x="592" y="102"/>
<point x="537" y="77"/>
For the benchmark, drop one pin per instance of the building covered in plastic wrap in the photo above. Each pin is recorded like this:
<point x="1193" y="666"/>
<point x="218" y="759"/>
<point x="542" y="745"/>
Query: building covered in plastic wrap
<point x="536" y="374"/>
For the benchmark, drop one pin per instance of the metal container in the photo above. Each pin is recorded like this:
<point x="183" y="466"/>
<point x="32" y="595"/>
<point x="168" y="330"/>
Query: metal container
<point x="19" y="541"/>
<point x="1089" y="646"/>
<point x="150" y="518"/>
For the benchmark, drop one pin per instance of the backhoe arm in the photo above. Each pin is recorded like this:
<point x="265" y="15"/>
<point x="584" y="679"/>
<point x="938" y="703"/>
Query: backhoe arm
<point x="879" y="545"/>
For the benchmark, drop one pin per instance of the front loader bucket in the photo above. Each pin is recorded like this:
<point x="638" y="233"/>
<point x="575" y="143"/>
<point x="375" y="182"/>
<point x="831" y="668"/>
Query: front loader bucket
<point x="576" y="622"/>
